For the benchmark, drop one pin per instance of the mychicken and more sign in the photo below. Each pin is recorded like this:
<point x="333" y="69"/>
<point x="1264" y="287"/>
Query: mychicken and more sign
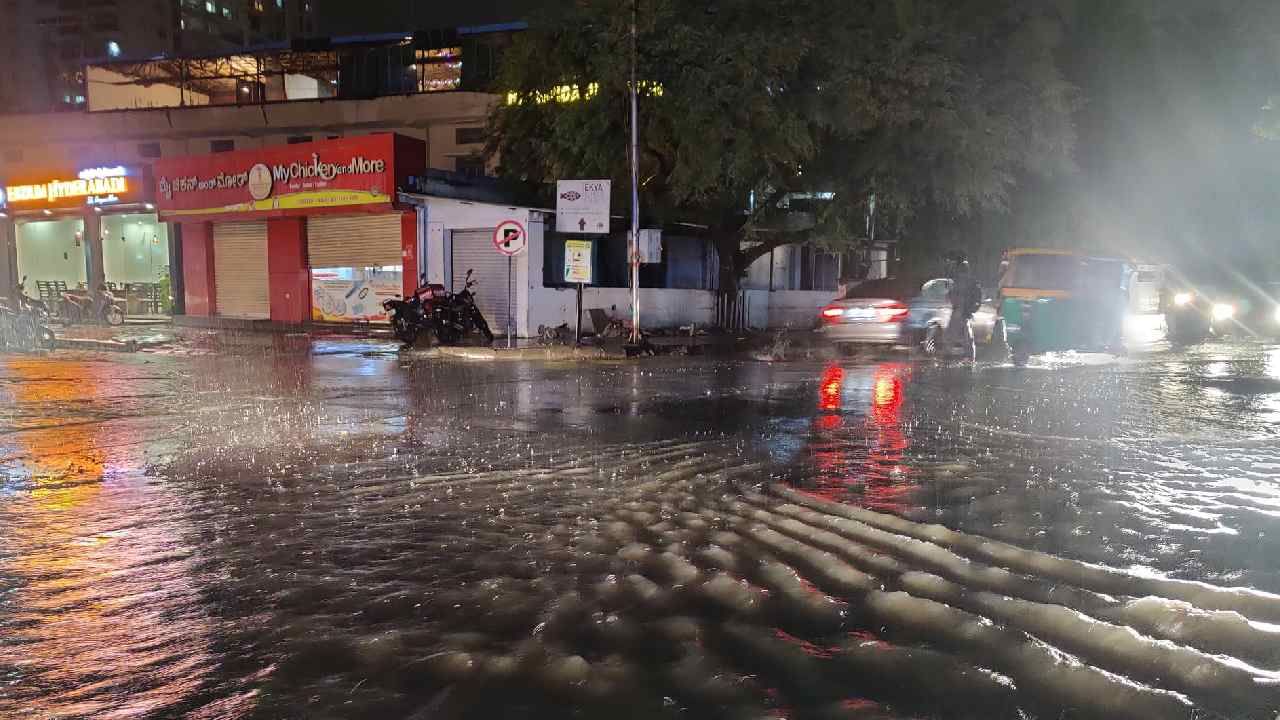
<point x="348" y="172"/>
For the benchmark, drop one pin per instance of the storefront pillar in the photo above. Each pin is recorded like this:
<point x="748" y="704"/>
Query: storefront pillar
<point x="197" y="269"/>
<point x="95" y="271"/>
<point x="177" y="284"/>
<point x="409" y="250"/>
<point x="288" y="275"/>
<point x="8" y="258"/>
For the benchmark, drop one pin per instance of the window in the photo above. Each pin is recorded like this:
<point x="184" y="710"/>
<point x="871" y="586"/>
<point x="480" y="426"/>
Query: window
<point x="220" y="146"/>
<point x="279" y="4"/>
<point x="149" y="150"/>
<point x="210" y="8"/>
<point x="468" y="135"/>
<point x="471" y="166"/>
<point x="226" y="11"/>
<point x="298" y="139"/>
<point x="113" y="48"/>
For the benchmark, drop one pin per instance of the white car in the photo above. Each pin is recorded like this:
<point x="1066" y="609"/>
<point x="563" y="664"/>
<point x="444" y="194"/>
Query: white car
<point x="929" y="312"/>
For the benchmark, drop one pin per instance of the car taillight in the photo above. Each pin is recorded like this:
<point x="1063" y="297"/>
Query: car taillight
<point x="832" y="313"/>
<point x="891" y="312"/>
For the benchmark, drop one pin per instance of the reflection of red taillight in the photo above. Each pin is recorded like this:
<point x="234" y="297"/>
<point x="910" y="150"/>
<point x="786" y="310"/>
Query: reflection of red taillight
<point x="829" y="388"/>
<point x="832" y="313"/>
<point x="891" y="312"/>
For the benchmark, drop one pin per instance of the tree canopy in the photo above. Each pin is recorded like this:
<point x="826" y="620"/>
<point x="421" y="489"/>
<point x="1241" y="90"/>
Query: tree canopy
<point x="750" y="109"/>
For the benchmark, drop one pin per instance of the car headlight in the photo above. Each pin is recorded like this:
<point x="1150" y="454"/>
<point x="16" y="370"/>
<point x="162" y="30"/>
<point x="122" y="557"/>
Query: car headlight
<point x="1183" y="298"/>
<point x="1223" y="311"/>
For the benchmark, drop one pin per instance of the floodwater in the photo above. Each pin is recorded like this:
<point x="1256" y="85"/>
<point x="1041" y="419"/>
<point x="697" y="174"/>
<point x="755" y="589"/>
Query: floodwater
<point x="339" y="532"/>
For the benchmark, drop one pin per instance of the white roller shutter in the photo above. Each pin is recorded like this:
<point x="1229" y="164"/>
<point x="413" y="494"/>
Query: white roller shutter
<point x="240" y="270"/>
<point x="474" y="250"/>
<point x="357" y="241"/>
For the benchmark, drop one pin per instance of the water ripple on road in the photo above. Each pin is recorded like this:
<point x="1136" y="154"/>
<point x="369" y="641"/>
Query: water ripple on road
<point x="310" y="537"/>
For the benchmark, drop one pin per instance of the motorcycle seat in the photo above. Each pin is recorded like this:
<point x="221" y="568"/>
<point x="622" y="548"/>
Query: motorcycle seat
<point x="432" y="292"/>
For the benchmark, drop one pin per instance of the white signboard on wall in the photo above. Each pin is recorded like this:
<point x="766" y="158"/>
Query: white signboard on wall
<point x="582" y="206"/>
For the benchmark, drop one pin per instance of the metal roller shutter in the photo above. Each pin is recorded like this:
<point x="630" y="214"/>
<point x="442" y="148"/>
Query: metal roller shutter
<point x="354" y="241"/>
<point x="473" y="249"/>
<point x="240" y="270"/>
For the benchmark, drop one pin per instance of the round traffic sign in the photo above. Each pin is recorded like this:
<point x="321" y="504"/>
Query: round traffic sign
<point x="510" y="238"/>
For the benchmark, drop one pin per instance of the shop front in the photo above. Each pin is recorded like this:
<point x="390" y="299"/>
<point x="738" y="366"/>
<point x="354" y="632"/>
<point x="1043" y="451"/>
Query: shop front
<point x="299" y="233"/>
<point x="81" y="229"/>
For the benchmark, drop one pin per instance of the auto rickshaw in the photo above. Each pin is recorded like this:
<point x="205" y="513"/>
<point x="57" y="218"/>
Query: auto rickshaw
<point x="1054" y="300"/>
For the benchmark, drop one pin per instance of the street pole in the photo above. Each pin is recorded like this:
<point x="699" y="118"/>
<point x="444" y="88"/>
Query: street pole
<point x="577" y="319"/>
<point x="510" y="317"/>
<point x="634" y="243"/>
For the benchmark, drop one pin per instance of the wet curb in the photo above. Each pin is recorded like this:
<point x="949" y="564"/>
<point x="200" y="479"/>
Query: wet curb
<point x="95" y="345"/>
<point x="528" y="353"/>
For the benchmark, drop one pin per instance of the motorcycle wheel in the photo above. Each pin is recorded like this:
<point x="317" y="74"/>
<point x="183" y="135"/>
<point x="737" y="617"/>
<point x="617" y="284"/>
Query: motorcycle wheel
<point x="26" y="334"/>
<point x="452" y="336"/>
<point x="932" y="340"/>
<point x="483" y="327"/>
<point x="113" y="315"/>
<point x="405" y="332"/>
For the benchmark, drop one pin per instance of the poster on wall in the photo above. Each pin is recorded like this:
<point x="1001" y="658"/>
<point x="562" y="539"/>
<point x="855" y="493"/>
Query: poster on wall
<point x="577" y="261"/>
<point x="335" y="299"/>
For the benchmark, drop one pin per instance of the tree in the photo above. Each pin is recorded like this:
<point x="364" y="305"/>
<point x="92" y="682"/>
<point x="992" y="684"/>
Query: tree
<point x="754" y="109"/>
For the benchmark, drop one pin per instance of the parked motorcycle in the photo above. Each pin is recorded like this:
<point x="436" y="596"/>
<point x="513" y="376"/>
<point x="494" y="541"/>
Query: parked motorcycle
<point x="467" y="317"/>
<point x="83" y="306"/>
<point x="24" y="322"/>
<point x="434" y="312"/>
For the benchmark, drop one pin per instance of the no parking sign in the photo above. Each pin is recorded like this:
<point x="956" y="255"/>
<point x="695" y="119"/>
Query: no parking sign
<point x="510" y="238"/>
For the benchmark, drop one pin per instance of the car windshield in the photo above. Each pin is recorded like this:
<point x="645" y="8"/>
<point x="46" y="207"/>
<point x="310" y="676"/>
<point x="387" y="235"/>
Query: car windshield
<point x="1043" y="272"/>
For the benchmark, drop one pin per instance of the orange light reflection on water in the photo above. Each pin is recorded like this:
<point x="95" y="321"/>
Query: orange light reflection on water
<point x="105" y="619"/>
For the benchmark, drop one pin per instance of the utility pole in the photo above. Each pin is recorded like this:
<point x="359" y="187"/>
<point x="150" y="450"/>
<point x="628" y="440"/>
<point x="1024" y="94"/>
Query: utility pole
<point x="634" y="244"/>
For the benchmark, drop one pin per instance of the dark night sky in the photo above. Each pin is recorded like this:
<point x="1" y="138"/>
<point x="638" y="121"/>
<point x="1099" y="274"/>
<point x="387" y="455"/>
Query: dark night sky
<point x="344" y="17"/>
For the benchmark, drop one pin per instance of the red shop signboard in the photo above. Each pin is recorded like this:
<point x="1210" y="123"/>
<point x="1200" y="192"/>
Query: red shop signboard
<point x="350" y="174"/>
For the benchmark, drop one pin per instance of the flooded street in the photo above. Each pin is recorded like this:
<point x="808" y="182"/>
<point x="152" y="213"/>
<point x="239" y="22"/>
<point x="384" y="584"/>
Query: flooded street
<point x="342" y="532"/>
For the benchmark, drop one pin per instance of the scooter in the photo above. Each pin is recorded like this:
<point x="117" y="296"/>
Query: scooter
<point x="957" y="343"/>
<point x="24" y="322"/>
<point x="83" y="306"/>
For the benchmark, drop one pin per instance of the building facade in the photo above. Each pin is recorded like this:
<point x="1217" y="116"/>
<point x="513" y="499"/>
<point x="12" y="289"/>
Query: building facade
<point x="169" y="123"/>
<point x="47" y="43"/>
<point x="294" y="233"/>
<point x="143" y="122"/>
<point x="78" y="227"/>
